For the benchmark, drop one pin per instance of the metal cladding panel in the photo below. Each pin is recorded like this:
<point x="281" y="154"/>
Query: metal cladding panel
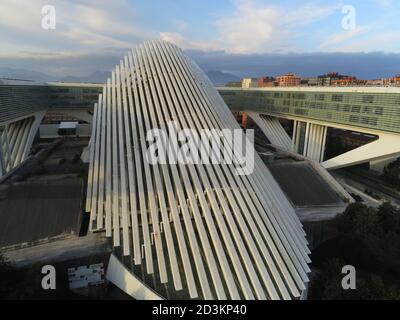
<point x="197" y="228"/>
<point x="18" y="101"/>
<point x="273" y="130"/>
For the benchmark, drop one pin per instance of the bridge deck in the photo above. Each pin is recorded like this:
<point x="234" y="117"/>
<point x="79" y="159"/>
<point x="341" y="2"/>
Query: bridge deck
<point x="360" y="107"/>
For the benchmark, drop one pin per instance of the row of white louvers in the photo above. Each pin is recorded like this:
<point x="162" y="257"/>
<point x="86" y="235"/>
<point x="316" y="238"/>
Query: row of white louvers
<point x="211" y="232"/>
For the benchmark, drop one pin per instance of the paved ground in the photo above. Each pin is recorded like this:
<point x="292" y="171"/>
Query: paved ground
<point x="358" y="184"/>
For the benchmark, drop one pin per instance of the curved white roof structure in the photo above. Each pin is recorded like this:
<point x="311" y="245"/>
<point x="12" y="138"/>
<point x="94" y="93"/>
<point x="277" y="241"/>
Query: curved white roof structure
<point x="196" y="229"/>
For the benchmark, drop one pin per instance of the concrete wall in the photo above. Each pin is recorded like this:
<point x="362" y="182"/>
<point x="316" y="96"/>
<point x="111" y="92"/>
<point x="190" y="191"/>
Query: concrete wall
<point x="48" y="131"/>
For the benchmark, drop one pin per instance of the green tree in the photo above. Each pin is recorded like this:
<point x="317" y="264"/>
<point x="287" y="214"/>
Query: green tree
<point x="391" y="173"/>
<point x="368" y="239"/>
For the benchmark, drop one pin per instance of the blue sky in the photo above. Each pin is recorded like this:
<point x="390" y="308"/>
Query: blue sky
<point x="104" y="29"/>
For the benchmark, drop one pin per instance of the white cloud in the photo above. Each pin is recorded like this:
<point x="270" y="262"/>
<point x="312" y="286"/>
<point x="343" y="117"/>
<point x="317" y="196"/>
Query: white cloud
<point x="95" y="24"/>
<point x="107" y="20"/>
<point x="93" y="39"/>
<point x="21" y="15"/>
<point x="37" y="55"/>
<point x="181" y="25"/>
<point x="335" y="41"/>
<point x="388" y="41"/>
<point x="181" y="41"/>
<point x="266" y="28"/>
<point x="252" y="27"/>
<point x="309" y="13"/>
<point x="386" y="4"/>
<point x="259" y="28"/>
<point x="249" y="29"/>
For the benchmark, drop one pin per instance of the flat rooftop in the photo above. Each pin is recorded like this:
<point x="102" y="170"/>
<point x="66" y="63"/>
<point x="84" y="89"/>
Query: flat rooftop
<point x="313" y="192"/>
<point x="303" y="185"/>
<point x="42" y="201"/>
<point x="31" y="211"/>
<point x="359" y="89"/>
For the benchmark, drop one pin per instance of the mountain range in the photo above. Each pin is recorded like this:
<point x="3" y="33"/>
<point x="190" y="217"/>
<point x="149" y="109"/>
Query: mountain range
<point x="24" y="74"/>
<point x="218" y="78"/>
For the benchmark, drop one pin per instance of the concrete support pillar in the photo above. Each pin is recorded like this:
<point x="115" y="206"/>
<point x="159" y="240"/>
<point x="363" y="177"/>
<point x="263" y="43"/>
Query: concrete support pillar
<point x="5" y="136"/>
<point x="119" y="275"/>
<point x="295" y="137"/>
<point x="32" y="132"/>
<point x="16" y="140"/>
<point x="387" y="146"/>
<point x="379" y="165"/>
<point x="273" y="130"/>
<point x="315" y="142"/>
<point x="311" y="141"/>
<point x="3" y="169"/>
<point x="247" y="122"/>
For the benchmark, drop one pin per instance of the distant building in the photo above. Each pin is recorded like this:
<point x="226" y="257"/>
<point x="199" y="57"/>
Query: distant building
<point x="320" y="81"/>
<point x="289" y="80"/>
<point x="332" y="79"/>
<point x="249" y="83"/>
<point x="247" y="122"/>
<point x="267" y="82"/>
<point x="391" y="82"/>
<point x="375" y="83"/>
<point x="348" y="81"/>
<point x="234" y="84"/>
<point x="311" y="82"/>
<point x="326" y="80"/>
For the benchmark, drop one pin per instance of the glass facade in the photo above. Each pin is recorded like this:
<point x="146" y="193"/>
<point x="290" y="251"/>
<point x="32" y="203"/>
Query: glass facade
<point x="74" y="96"/>
<point x="380" y="111"/>
<point x="18" y="100"/>
<point x="373" y="110"/>
<point x="21" y="100"/>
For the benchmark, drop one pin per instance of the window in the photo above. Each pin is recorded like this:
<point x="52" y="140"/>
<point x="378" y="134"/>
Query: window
<point x="368" y="99"/>
<point x="337" y="97"/>
<point x="300" y="111"/>
<point x="354" y="118"/>
<point x="300" y="96"/>
<point x="346" y="108"/>
<point x="378" y="110"/>
<point x="367" y="109"/>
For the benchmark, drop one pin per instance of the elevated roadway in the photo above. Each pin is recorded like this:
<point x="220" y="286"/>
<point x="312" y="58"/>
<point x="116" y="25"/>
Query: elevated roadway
<point x="371" y="110"/>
